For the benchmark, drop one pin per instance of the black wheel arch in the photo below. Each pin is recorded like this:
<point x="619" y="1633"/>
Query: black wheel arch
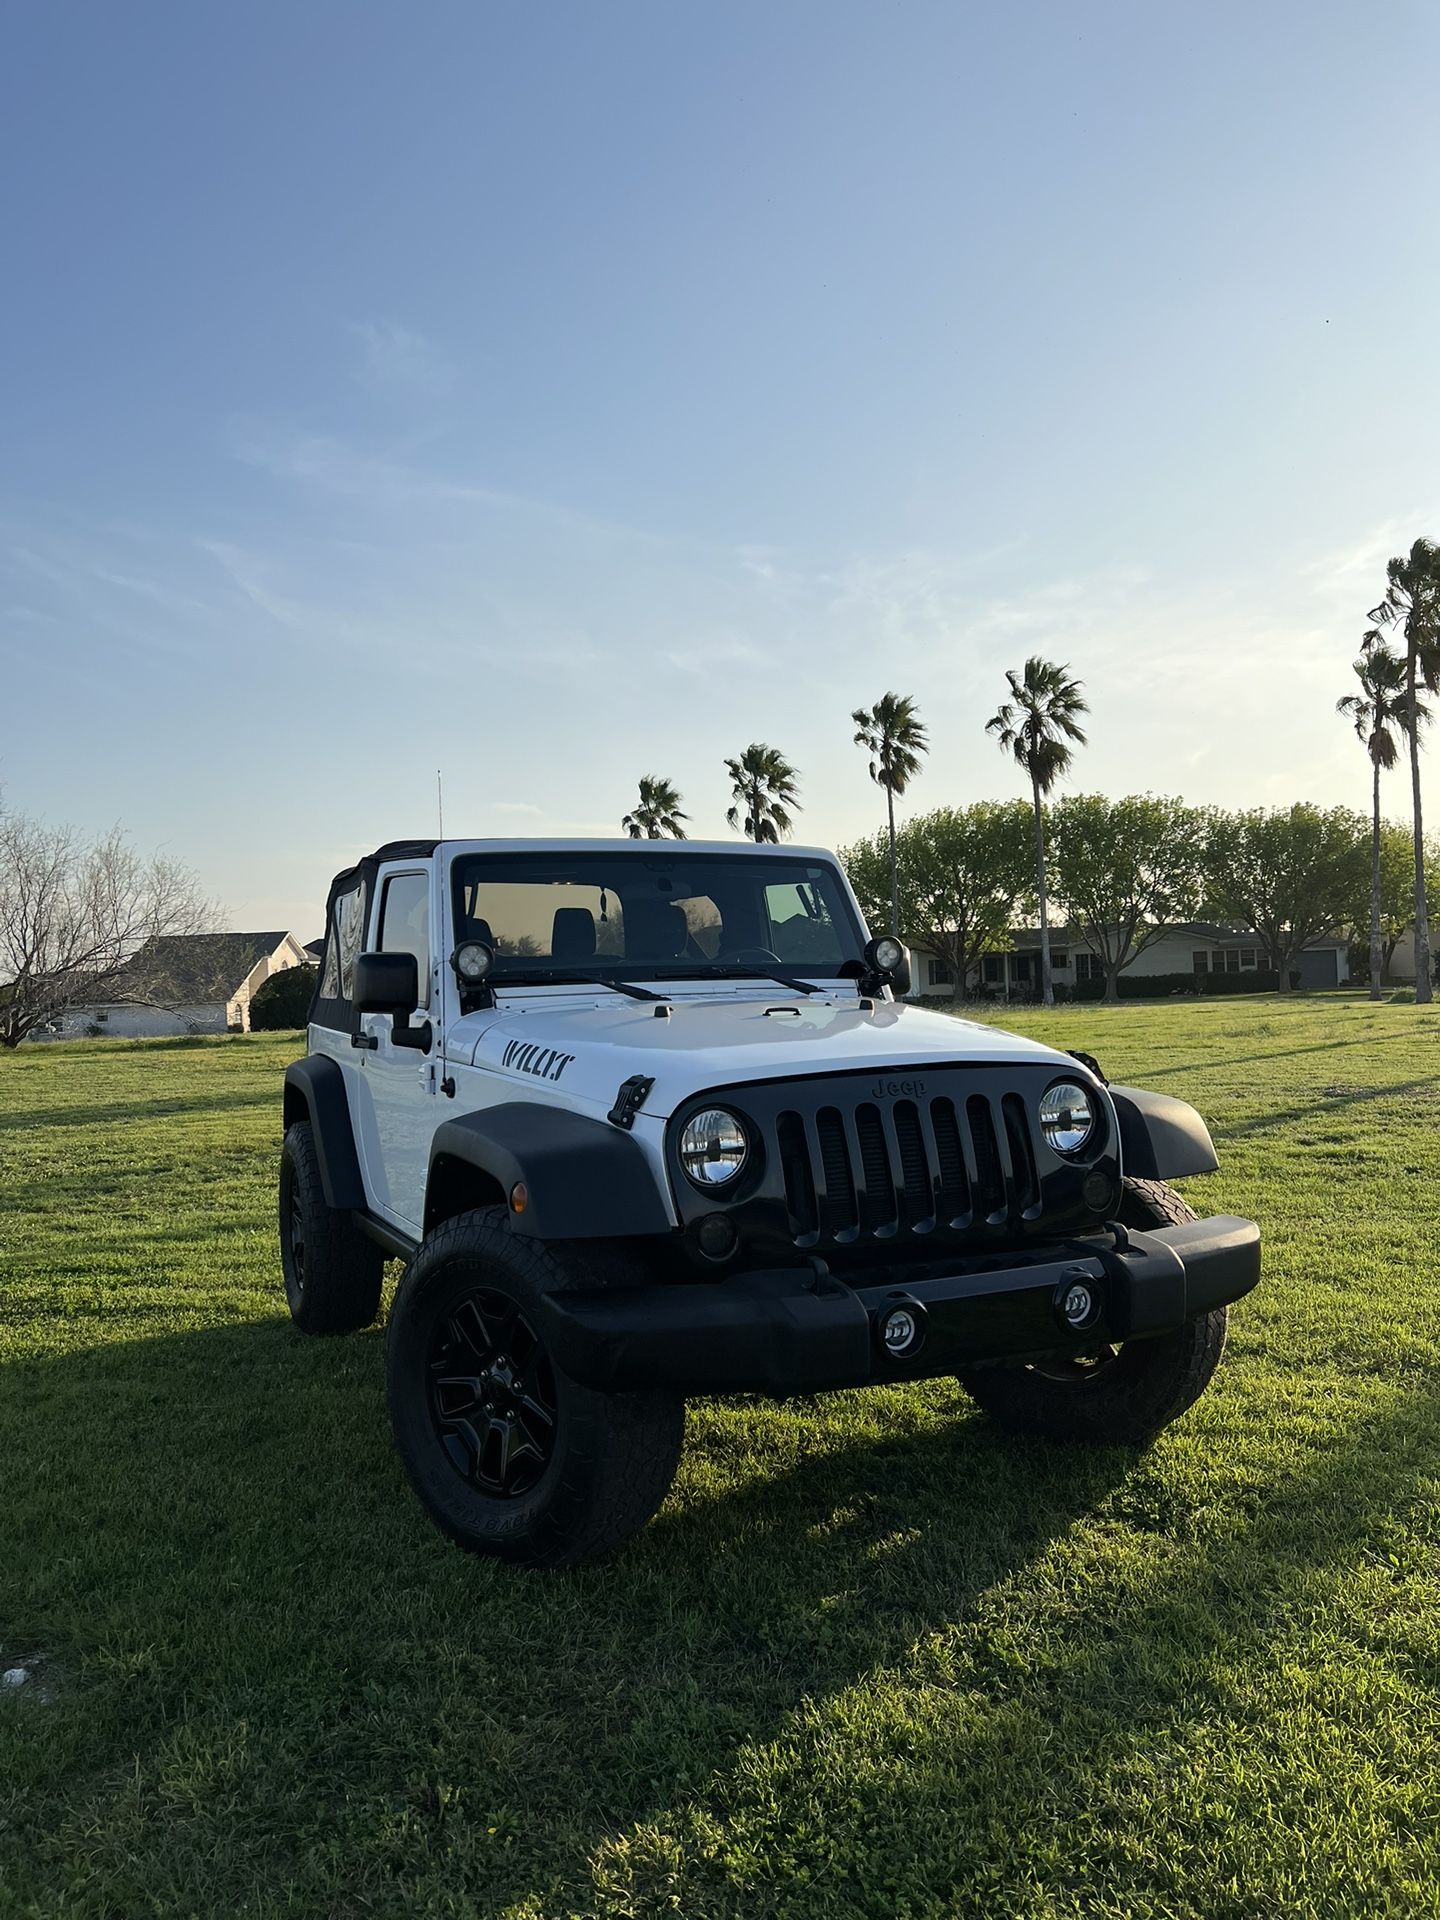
<point x="315" y="1092"/>
<point x="585" y="1179"/>
<point x="1161" y="1138"/>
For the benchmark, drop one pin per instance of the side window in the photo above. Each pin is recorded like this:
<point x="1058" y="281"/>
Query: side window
<point x="405" y="923"/>
<point x="342" y="943"/>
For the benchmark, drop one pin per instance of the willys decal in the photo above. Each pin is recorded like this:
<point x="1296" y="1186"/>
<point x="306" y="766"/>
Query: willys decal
<point x="546" y="1063"/>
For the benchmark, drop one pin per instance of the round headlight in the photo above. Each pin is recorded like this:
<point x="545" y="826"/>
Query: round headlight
<point x="473" y="961"/>
<point x="1067" y="1116"/>
<point x="713" y="1148"/>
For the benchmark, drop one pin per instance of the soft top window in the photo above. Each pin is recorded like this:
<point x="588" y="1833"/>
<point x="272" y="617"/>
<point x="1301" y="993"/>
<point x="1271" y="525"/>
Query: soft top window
<point x="665" y="914"/>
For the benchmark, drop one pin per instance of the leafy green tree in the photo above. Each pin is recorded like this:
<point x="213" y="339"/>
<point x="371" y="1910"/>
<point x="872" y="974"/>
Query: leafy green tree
<point x="766" y="789"/>
<point x="1290" y="875"/>
<point x="962" y="872"/>
<point x="282" y="1003"/>
<point x="1123" y="869"/>
<point x="1412" y="607"/>
<point x="1038" y="724"/>
<point x="892" y="735"/>
<point x="1397" y="893"/>
<point x="1381" y="713"/>
<point x="657" y="815"/>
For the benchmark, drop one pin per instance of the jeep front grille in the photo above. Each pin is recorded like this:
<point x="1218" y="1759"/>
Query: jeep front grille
<point x="880" y="1168"/>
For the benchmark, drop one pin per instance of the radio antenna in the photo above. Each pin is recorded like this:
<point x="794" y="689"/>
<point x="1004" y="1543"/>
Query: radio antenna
<point x="440" y="801"/>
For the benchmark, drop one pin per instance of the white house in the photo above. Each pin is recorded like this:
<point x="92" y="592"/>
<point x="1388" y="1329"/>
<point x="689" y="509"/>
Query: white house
<point x="187" y="983"/>
<point x="1193" y="948"/>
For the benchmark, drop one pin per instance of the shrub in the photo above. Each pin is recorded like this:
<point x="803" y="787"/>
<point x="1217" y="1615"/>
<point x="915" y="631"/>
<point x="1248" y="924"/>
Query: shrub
<point x="1161" y="986"/>
<point x="283" y="1001"/>
<point x="1403" y="997"/>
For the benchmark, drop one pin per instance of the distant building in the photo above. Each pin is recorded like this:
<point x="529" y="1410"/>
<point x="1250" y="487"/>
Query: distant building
<point x="1193" y="948"/>
<point x="186" y="983"/>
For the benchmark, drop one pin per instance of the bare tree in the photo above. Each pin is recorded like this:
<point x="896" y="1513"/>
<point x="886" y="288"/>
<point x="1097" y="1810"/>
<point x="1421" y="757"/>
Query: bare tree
<point x="75" y="914"/>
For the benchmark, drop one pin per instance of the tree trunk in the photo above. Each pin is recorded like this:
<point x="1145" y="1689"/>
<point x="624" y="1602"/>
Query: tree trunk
<point x="1112" y="986"/>
<point x="1423" y="991"/>
<point x="894" y="869"/>
<point x="1047" y="982"/>
<point x="1377" y="945"/>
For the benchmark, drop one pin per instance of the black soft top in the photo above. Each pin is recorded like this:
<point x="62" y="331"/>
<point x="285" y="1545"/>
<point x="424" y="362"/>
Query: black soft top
<point x="335" y="1010"/>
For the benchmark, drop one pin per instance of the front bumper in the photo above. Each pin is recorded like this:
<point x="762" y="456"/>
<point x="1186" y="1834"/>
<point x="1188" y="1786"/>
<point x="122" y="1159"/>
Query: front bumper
<point x="797" y="1330"/>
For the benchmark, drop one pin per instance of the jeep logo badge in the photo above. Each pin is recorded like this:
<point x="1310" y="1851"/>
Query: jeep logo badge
<point x="897" y="1089"/>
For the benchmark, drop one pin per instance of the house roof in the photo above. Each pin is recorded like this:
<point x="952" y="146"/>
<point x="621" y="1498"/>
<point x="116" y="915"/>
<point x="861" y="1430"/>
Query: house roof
<point x="193" y="969"/>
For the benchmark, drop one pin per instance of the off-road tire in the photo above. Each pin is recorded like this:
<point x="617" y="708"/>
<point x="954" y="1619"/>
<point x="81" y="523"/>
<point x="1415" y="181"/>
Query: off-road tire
<point x="333" y="1277"/>
<point x="612" y="1456"/>
<point x="1130" y="1398"/>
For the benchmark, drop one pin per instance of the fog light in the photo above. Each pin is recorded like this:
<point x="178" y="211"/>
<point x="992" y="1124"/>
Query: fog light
<point x="1078" y="1304"/>
<point x="519" y="1197"/>
<point x="902" y="1328"/>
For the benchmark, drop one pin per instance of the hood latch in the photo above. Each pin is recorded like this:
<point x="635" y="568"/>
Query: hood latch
<point x="628" y="1101"/>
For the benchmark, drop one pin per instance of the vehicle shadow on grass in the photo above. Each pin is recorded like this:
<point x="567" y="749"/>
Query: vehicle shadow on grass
<point x="163" y="1106"/>
<point x="215" y="1531"/>
<point x="215" y="1536"/>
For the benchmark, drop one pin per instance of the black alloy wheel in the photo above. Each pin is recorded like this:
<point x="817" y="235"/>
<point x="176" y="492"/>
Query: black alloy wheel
<point x="492" y="1395"/>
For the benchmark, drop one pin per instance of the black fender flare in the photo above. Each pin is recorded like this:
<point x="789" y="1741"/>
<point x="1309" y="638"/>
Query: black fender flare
<point x="319" y="1083"/>
<point x="1161" y="1138"/>
<point x="585" y="1179"/>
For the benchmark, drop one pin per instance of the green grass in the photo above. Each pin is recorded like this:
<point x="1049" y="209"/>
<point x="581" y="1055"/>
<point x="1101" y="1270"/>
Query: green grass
<point x="869" y="1659"/>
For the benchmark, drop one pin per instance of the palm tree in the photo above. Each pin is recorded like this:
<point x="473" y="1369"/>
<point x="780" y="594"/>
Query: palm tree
<point x="892" y="735"/>
<point x="1412" y="604"/>
<point x="766" y="787"/>
<point x="1036" y="724"/>
<point x="1380" y="712"/>
<point x="657" y="815"/>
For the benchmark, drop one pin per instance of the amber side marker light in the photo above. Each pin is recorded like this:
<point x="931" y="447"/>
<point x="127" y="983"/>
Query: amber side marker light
<point x="519" y="1197"/>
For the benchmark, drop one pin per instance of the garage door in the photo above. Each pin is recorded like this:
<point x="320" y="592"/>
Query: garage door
<point x="1319" y="969"/>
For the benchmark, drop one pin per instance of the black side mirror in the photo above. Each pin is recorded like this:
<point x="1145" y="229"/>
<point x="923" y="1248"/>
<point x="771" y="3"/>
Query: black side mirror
<point x="386" y="983"/>
<point x="390" y="983"/>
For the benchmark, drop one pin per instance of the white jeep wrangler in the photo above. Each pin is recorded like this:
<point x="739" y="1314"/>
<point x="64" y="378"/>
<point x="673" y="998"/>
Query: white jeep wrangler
<point x="648" y="1119"/>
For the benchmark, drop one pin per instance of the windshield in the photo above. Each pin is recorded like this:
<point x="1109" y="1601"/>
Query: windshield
<point x="667" y="914"/>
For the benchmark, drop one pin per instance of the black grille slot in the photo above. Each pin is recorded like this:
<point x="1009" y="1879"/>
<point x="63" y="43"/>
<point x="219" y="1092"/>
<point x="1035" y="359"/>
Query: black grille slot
<point x="799" y="1178"/>
<point x="954" y="1184"/>
<point x="838" y="1213"/>
<point x="989" y="1174"/>
<point x="864" y="1168"/>
<point x="1022" y="1154"/>
<point x="917" y="1201"/>
<point x="877" y="1203"/>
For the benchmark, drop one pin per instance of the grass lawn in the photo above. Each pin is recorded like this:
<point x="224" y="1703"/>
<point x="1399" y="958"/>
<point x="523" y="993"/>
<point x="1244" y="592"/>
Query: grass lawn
<point x="869" y="1659"/>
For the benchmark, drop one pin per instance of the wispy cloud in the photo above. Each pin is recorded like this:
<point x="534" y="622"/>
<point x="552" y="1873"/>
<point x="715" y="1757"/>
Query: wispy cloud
<point x="398" y="360"/>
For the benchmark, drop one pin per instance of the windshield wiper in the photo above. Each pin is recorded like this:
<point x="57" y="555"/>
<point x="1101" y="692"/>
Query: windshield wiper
<point x="573" y="980"/>
<point x="756" y="973"/>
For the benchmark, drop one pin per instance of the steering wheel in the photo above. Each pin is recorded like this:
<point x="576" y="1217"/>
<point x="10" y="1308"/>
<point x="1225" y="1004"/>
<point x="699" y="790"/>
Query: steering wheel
<point x="746" y="956"/>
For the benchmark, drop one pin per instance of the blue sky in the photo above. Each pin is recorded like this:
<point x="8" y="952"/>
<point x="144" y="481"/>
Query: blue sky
<point x="561" y="393"/>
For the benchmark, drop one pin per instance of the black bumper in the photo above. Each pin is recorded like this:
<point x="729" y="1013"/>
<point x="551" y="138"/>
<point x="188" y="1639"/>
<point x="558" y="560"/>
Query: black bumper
<point x="801" y="1331"/>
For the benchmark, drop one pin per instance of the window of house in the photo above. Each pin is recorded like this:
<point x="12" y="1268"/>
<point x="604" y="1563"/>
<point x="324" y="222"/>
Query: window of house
<point x="1200" y="960"/>
<point x="939" y="974"/>
<point x="1249" y="959"/>
<point x="1087" y="966"/>
<point x="405" y="923"/>
<point x="1020" y="967"/>
<point x="1059" y="956"/>
<point x="993" y="970"/>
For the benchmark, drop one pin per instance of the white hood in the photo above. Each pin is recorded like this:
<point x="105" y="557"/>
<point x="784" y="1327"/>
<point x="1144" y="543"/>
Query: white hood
<point x="587" y="1043"/>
